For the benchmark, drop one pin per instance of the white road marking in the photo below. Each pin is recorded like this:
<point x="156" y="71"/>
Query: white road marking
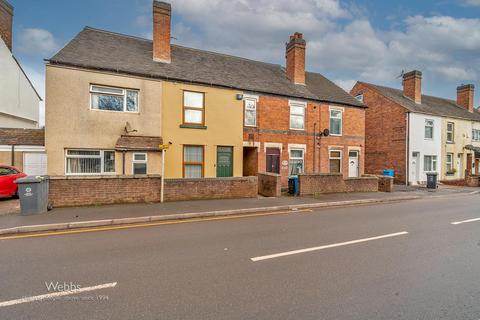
<point x="465" y="221"/>
<point x="56" y="294"/>
<point x="289" y="253"/>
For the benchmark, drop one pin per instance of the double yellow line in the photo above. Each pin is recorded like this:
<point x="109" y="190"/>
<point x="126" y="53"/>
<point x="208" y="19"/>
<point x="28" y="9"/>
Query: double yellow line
<point x="149" y="224"/>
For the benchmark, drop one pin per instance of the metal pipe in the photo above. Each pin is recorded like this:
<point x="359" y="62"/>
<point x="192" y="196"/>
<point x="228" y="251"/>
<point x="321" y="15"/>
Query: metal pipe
<point x="314" y="146"/>
<point x="13" y="155"/>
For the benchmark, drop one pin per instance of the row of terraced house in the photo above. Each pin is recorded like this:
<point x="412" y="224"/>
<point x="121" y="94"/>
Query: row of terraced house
<point x="114" y="102"/>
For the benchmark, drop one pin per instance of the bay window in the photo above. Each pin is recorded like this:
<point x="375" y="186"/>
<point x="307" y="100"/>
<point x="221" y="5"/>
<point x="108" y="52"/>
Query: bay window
<point x="89" y="162"/>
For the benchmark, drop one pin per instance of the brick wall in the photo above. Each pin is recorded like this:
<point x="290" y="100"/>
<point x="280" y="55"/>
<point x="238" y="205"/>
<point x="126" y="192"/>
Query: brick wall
<point x="210" y="188"/>
<point x="385" y="184"/>
<point x="269" y="184"/>
<point x="80" y="191"/>
<point x="273" y="123"/>
<point x="385" y="133"/>
<point x="472" y="181"/>
<point x="335" y="183"/>
<point x="6" y="21"/>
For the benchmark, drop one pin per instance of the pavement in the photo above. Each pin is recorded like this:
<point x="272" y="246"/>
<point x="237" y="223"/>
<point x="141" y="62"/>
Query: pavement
<point x="77" y="217"/>
<point x="403" y="260"/>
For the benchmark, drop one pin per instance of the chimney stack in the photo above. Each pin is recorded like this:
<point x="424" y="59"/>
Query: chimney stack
<point x="162" y="12"/>
<point x="295" y="56"/>
<point x="466" y="96"/>
<point x="412" y="85"/>
<point x="6" y="22"/>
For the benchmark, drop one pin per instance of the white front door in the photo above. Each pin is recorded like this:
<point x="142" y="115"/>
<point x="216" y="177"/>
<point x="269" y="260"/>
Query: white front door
<point x="35" y="163"/>
<point x="353" y="164"/>
<point x="415" y="168"/>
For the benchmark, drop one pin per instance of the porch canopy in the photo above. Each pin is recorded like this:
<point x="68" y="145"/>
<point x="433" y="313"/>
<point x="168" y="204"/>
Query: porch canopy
<point x="474" y="149"/>
<point x="138" y="143"/>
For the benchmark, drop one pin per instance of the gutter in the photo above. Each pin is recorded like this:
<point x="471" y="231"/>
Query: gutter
<point x="407" y="149"/>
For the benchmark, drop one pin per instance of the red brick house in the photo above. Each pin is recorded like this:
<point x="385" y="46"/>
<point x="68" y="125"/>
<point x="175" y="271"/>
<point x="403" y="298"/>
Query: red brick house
<point x="285" y="117"/>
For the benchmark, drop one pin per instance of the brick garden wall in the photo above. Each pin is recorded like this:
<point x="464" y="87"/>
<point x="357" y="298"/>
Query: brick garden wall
<point x="385" y="184"/>
<point x="210" y="188"/>
<point x="269" y="184"/>
<point x="472" y="181"/>
<point x="335" y="183"/>
<point x="80" y="191"/>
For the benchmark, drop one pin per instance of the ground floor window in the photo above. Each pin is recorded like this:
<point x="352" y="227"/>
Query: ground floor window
<point x="449" y="163"/>
<point x="139" y="163"/>
<point x="193" y="161"/>
<point x="335" y="161"/>
<point x="90" y="162"/>
<point x="297" y="162"/>
<point x="430" y="163"/>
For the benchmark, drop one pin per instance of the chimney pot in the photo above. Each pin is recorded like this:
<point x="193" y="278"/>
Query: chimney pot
<point x="412" y="85"/>
<point x="6" y="23"/>
<point x="295" y="55"/>
<point x="162" y="12"/>
<point x="466" y="96"/>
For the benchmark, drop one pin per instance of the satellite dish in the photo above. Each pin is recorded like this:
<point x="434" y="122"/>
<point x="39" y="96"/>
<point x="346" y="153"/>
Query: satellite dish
<point x="128" y="128"/>
<point x="326" y="132"/>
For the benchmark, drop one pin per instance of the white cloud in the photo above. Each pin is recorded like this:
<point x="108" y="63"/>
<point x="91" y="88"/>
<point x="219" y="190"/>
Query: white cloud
<point x="36" y="41"/>
<point x="471" y="3"/>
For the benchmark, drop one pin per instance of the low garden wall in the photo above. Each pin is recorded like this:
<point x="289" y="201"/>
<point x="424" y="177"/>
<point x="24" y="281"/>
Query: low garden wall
<point x="335" y="183"/>
<point x="385" y="184"/>
<point x="472" y="181"/>
<point x="80" y="191"/>
<point x="269" y="184"/>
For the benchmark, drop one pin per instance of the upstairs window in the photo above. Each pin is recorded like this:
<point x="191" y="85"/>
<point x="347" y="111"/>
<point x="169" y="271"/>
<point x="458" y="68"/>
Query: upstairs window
<point x="359" y="97"/>
<point x="193" y="107"/>
<point x="429" y="129"/>
<point x="250" y="112"/>
<point x="336" y="119"/>
<point x="113" y="99"/>
<point x="475" y="135"/>
<point x="90" y="162"/>
<point x="297" y="115"/>
<point x="450" y="132"/>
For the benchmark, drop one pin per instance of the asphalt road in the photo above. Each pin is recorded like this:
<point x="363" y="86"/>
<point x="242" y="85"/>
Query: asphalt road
<point x="409" y="262"/>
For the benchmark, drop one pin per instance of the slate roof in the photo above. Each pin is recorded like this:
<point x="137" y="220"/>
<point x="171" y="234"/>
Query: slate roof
<point x="138" y="143"/>
<point x="113" y="52"/>
<point x="24" y="137"/>
<point x="430" y="105"/>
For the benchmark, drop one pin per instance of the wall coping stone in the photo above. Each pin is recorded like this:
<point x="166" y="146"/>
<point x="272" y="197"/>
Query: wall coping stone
<point x="142" y="176"/>
<point x="270" y="174"/>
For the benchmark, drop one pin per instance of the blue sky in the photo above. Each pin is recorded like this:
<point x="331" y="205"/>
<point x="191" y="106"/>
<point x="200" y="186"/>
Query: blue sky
<point x="369" y="40"/>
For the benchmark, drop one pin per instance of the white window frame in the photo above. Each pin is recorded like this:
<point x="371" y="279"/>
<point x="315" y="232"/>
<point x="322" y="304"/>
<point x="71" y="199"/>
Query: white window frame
<point x="299" y="104"/>
<point x="452" y="132"/>
<point x="433" y="163"/>
<point x="101" y="156"/>
<point x="433" y="129"/>
<point x="139" y="161"/>
<point x="475" y="135"/>
<point x="124" y="94"/>
<point x="335" y="158"/>
<point x="297" y="147"/>
<point x="341" y="120"/>
<point x="449" y="163"/>
<point x="255" y="100"/>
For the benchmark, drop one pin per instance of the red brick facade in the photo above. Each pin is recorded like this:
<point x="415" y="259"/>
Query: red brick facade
<point x="385" y="133"/>
<point x="6" y="21"/>
<point x="273" y="128"/>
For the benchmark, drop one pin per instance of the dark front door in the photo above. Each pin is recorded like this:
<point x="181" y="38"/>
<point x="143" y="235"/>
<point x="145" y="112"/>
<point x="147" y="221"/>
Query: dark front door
<point x="273" y="160"/>
<point x="224" y="161"/>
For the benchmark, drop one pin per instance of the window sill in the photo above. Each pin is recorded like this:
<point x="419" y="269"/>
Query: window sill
<point x="193" y="126"/>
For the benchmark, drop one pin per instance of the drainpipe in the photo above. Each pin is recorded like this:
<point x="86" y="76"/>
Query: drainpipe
<point x="407" y="151"/>
<point x="314" y="146"/>
<point x="13" y="155"/>
<point x="123" y="162"/>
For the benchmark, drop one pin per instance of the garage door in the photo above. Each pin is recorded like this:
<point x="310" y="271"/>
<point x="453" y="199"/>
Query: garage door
<point x="35" y="163"/>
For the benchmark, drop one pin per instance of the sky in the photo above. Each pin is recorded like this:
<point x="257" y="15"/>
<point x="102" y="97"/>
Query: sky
<point x="367" y="40"/>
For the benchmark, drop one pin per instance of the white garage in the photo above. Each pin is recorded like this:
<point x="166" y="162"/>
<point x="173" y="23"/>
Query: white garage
<point x="35" y="163"/>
